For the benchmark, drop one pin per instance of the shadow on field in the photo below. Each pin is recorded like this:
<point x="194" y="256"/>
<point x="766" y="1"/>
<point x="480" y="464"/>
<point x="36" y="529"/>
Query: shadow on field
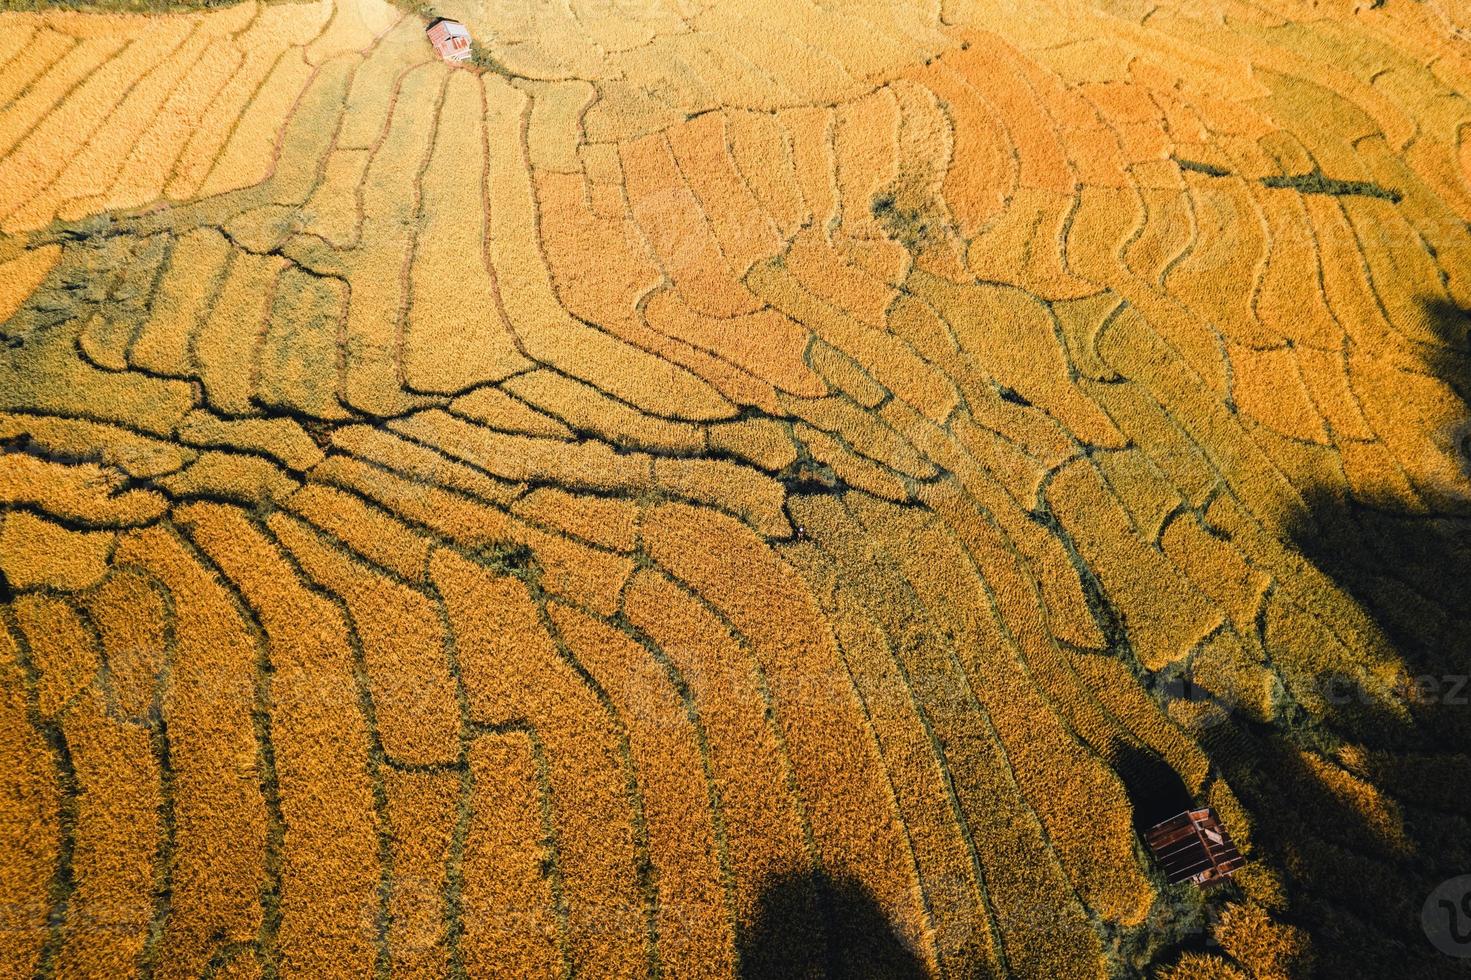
<point x="1412" y="574"/>
<point x="1358" y="883"/>
<point x="1156" y="792"/>
<point x="812" y="924"/>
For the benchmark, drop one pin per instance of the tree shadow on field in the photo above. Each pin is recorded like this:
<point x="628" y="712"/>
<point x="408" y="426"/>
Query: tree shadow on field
<point x="1355" y="887"/>
<point x="812" y="924"/>
<point x="1411" y="572"/>
<point x="1156" y="792"/>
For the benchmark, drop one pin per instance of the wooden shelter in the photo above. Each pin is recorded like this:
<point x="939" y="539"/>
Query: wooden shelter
<point x="450" y="38"/>
<point x="1193" y="846"/>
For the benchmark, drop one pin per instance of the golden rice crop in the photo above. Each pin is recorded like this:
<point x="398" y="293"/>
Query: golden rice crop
<point x="500" y="639"/>
<point x="249" y="154"/>
<point x="1203" y="966"/>
<point x="269" y="66"/>
<point x="408" y="677"/>
<point x="150" y="162"/>
<point x="765" y="343"/>
<point x="673" y="222"/>
<point x="597" y="258"/>
<point x="222" y="818"/>
<point x="370" y="532"/>
<point x="230" y="475"/>
<point x="890" y="362"/>
<point x="843" y="373"/>
<point x="37" y="552"/>
<point x="1268" y="949"/>
<point x="88" y="494"/>
<point x="764" y="162"/>
<point x="297" y="358"/>
<point x="450" y="515"/>
<point x="846" y="420"/>
<point x="827" y="272"/>
<point x="693" y="493"/>
<point x="28" y="47"/>
<point x="279" y="438"/>
<point x="420" y="462"/>
<point x="385" y="200"/>
<point x="752" y="496"/>
<point x="494" y="408"/>
<point x="585" y="464"/>
<point x="228" y="338"/>
<point x="127" y="451"/>
<point x="328" y="878"/>
<point x="693" y="921"/>
<point x="804" y="672"/>
<point x="133" y="624"/>
<point x="605" y="521"/>
<point x="544" y="328"/>
<point x="118" y="831"/>
<point x="1035" y="739"/>
<point x="1137" y="578"/>
<point x="83" y="187"/>
<point x="1001" y="927"/>
<point x="764" y="442"/>
<point x="36" y="172"/>
<point x="762" y="818"/>
<point x="588" y="410"/>
<point x="590" y="577"/>
<point x="509" y="905"/>
<point x="32" y="800"/>
<point x="197" y="264"/>
<point x="34" y="103"/>
<point x="745" y="234"/>
<point x="427" y="802"/>
<point x="61" y="650"/>
<point x="849" y="467"/>
<point x="19" y="276"/>
<point x="876" y="644"/>
<point x="450" y="346"/>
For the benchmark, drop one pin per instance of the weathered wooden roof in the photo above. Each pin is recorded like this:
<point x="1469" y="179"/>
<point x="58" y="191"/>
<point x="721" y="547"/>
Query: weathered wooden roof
<point x="1193" y="846"/>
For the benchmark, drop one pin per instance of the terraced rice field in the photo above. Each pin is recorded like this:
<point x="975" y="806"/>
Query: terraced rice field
<point x="734" y="488"/>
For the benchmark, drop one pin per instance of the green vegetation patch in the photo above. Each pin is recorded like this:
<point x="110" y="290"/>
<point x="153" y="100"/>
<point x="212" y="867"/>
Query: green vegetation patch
<point x="1209" y="169"/>
<point x="1317" y="183"/>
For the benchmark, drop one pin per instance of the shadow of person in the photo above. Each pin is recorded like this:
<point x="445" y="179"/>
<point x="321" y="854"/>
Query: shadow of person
<point x="812" y="924"/>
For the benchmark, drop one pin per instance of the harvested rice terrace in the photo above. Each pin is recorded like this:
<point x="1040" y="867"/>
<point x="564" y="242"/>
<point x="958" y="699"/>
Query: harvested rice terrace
<point x="721" y="488"/>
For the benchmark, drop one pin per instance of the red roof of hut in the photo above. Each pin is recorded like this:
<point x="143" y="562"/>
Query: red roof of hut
<point x="450" y="38"/>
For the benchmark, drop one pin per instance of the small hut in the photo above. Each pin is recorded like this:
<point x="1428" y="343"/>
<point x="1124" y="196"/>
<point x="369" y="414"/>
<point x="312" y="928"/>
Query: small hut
<point x="1193" y="846"/>
<point x="450" y="38"/>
